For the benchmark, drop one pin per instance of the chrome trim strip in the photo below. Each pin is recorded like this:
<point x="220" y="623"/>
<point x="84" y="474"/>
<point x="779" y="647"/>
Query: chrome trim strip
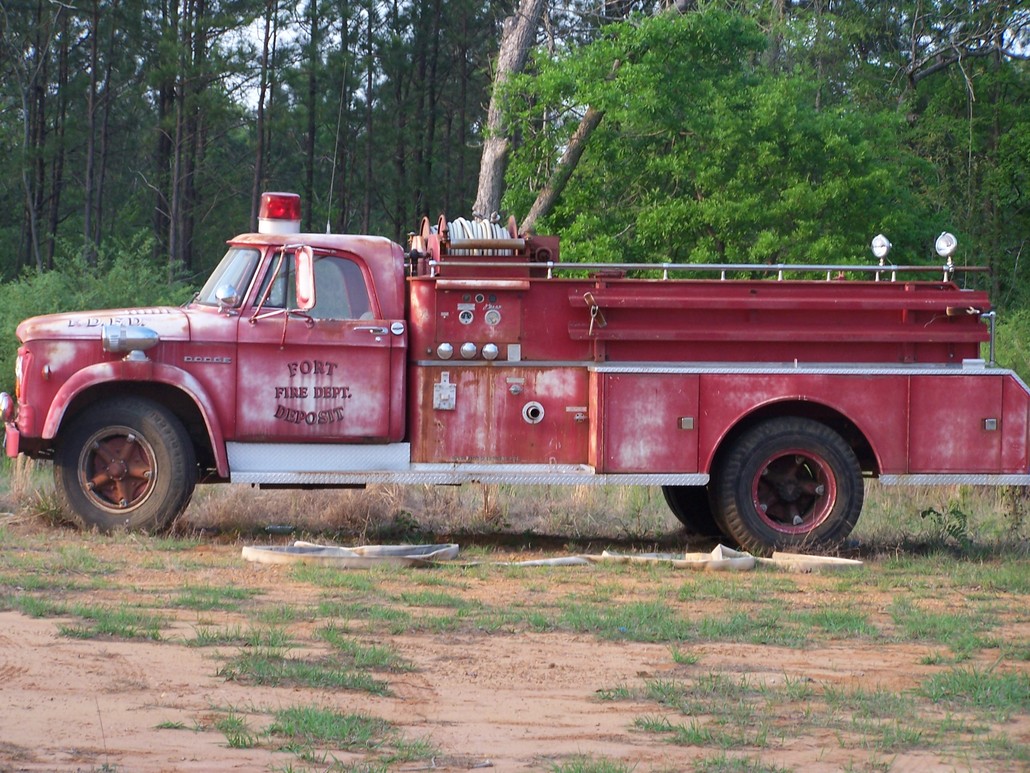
<point x="322" y="464"/>
<point x="459" y="476"/>
<point x="742" y="369"/>
<point x="947" y="479"/>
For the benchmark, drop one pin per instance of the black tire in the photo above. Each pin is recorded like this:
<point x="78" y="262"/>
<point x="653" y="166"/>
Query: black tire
<point x="789" y="484"/>
<point x="693" y="508"/>
<point x="125" y="465"/>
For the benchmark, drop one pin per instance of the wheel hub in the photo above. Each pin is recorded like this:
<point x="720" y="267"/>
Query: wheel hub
<point x="790" y="493"/>
<point x="116" y="470"/>
<point x="788" y="490"/>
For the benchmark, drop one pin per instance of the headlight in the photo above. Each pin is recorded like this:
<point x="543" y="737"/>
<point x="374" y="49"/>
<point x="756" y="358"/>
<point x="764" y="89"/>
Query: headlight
<point x="6" y="407"/>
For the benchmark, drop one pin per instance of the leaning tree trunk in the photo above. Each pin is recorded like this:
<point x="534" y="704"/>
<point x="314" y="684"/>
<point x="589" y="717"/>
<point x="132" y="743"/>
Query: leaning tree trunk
<point x="549" y="194"/>
<point x="516" y="40"/>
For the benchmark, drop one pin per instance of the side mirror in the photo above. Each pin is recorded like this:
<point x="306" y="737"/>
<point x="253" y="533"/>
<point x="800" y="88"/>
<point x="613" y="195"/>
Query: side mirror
<point x="305" y="272"/>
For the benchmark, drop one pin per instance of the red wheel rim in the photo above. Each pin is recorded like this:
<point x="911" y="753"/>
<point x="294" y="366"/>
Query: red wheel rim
<point x="794" y="491"/>
<point x="116" y="469"/>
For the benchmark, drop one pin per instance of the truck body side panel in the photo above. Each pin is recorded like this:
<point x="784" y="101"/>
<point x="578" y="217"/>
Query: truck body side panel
<point x="468" y="414"/>
<point x="1015" y="442"/>
<point x="875" y="404"/>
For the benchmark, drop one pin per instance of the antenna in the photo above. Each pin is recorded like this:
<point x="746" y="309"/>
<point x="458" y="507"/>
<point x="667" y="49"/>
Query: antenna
<point x="336" y="148"/>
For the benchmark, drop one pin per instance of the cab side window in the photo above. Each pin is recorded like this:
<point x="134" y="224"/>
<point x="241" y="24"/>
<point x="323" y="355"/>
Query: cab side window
<point x="340" y="291"/>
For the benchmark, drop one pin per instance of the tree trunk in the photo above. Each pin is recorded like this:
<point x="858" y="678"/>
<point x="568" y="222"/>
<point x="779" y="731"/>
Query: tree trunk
<point x="34" y="105"/>
<point x="312" y="99"/>
<point x="516" y="40"/>
<point x="366" y="208"/>
<point x="341" y="156"/>
<point x="164" y="152"/>
<point x="89" y="193"/>
<point x="566" y="165"/>
<point x="57" y="166"/>
<point x="271" y="17"/>
<point x="105" y="135"/>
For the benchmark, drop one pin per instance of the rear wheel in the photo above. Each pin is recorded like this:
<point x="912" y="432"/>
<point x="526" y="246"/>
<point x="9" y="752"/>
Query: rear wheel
<point x="692" y="507"/>
<point x="125" y="465"/>
<point x="789" y="483"/>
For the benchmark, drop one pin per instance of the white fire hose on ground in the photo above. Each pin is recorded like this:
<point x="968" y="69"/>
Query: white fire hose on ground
<point x="722" y="558"/>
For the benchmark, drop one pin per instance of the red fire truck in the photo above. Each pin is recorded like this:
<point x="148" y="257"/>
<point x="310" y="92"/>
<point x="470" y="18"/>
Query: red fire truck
<point x="757" y="397"/>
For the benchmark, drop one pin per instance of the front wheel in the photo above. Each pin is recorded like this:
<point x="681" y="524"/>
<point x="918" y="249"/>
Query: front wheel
<point x="125" y="465"/>
<point x="789" y="483"/>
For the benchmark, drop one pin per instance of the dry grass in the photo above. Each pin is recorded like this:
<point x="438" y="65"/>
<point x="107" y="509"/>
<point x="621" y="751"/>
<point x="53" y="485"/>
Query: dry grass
<point x="894" y="518"/>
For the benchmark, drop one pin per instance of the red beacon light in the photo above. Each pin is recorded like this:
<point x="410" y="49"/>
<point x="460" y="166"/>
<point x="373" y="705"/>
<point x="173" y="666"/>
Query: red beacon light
<point x="279" y="214"/>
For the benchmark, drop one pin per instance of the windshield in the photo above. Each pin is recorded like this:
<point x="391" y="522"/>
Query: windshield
<point x="236" y="269"/>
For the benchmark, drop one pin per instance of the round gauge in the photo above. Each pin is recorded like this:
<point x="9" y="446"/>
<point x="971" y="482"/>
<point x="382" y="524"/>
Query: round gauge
<point x="492" y="317"/>
<point x="465" y="317"/>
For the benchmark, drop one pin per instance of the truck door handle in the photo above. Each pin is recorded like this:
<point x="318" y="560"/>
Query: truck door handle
<point x="373" y="329"/>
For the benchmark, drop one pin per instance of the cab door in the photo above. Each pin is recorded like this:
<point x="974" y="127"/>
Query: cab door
<point x="323" y="375"/>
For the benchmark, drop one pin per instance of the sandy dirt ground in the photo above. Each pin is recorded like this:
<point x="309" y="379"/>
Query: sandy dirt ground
<point x="500" y="700"/>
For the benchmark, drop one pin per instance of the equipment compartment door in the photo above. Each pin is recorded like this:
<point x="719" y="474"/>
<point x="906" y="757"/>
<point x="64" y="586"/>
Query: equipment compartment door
<point x="649" y="422"/>
<point x="955" y="424"/>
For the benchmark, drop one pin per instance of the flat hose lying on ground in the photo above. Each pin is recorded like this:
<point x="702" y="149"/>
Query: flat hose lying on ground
<point x="721" y="558"/>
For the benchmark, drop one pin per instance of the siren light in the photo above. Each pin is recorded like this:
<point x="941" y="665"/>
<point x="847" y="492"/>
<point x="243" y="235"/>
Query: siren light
<point x="279" y="213"/>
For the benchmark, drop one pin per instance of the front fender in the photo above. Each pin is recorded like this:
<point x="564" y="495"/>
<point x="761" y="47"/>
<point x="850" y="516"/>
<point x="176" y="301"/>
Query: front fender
<point x="128" y="371"/>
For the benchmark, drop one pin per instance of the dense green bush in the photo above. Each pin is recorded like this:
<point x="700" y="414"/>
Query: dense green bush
<point x="123" y="276"/>
<point x="1013" y="342"/>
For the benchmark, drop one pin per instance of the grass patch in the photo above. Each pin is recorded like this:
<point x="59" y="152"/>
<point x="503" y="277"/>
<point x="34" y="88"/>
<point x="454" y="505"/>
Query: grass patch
<point x="335" y="632"/>
<point x="429" y="598"/>
<point x="328" y="577"/>
<point x="645" y="621"/>
<point x="270" y="666"/>
<point x="725" y="764"/>
<point x="306" y="725"/>
<point x="363" y="656"/>
<point x="999" y="695"/>
<point x="376" y="616"/>
<point x="236" y="730"/>
<point x="114" y="622"/>
<point x="302" y="729"/>
<point x="211" y="636"/>
<point x="591" y="765"/>
<point x="839" y="623"/>
<point x="762" y="626"/>
<point x="208" y="598"/>
<point x="34" y="606"/>
<point x="961" y="630"/>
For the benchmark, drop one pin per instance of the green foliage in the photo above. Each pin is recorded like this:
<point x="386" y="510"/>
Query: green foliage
<point x="950" y="524"/>
<point x="703" y="156"/>
<point x="123" y="277"/>
<point x="1000" y="694"/>
<point x="310" y="724"/>
<point x="1013" y="342"/>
